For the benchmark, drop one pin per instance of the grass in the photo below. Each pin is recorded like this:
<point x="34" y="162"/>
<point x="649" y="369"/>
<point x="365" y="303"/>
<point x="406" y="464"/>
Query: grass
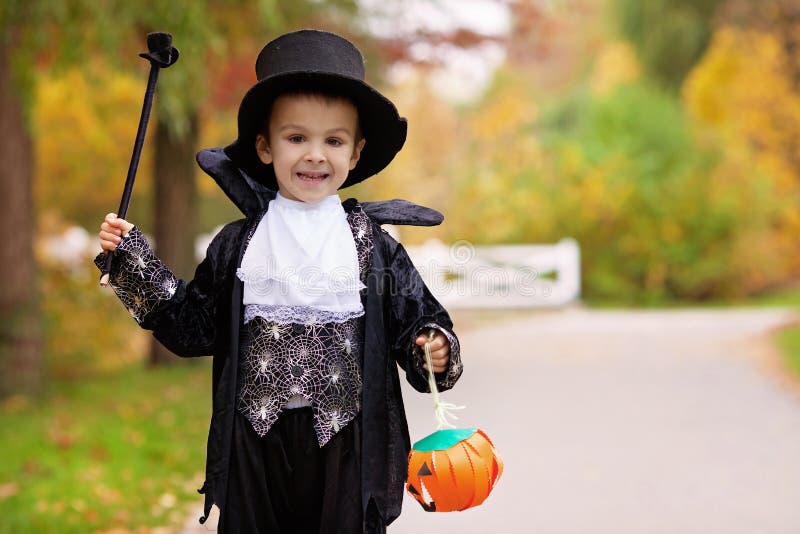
<point x="783" y="297"/>
<point x="124" y="451"/>
<point x="789" y="344"/>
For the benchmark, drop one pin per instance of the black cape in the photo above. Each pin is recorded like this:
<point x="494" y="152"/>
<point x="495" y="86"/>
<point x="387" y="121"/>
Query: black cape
<point x="205" y="315"/>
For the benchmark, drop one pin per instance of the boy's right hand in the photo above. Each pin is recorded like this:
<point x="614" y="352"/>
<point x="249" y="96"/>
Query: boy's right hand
<point x="112" y="230"/>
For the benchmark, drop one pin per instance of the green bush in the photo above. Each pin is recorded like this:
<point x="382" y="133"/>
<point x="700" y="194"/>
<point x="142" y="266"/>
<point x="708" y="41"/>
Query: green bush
<point x="659" y="214"/>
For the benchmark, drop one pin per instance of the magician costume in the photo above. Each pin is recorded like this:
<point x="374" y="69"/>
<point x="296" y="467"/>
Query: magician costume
<point x="308" y="431"/>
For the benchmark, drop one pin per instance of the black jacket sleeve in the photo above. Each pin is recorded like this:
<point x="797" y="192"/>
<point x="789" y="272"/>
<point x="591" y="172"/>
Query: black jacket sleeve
<point x="414" y="310"/>
<point x="182" y="315"/>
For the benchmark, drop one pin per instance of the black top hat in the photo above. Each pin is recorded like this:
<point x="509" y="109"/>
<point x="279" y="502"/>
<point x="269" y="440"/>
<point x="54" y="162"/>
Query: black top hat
<point x="312" y="60"/>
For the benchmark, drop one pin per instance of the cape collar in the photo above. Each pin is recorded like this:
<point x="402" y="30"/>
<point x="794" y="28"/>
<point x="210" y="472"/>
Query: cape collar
<point x="252" y="198"/>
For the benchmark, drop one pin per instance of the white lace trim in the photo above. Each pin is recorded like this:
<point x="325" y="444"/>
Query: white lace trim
<point x="297" y="314"/>
<point x="311" y="282"/>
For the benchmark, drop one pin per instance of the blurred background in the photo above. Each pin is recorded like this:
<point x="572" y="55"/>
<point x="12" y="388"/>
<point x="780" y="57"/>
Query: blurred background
<point x="662" y="135"/>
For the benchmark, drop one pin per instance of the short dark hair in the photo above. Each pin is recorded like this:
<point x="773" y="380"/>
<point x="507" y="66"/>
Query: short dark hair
<point x="314" y="92"/>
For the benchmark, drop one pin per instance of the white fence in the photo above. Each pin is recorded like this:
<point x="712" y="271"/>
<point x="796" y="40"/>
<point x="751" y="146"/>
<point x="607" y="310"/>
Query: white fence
<point x="500" y="276"/>
<point x="460" y="275"/>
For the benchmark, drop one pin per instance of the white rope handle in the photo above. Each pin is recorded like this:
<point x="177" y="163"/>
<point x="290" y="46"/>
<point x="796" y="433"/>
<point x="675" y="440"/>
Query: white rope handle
<point x="442" y="410"/>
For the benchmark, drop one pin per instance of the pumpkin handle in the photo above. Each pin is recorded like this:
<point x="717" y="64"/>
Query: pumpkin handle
<point x="441" y="409"/>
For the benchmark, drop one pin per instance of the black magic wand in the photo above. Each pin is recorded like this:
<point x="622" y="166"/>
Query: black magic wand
<point x="161" y="54"/>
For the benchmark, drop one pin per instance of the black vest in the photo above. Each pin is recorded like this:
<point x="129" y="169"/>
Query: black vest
<point x="320" y="362"/>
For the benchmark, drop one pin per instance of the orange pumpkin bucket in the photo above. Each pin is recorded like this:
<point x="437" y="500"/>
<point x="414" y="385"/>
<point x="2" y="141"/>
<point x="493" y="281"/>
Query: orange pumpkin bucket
<point x="452" y="469"/>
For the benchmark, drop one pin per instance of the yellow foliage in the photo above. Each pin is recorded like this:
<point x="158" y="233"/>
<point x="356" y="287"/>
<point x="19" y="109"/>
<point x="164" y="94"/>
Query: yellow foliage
<point x="733" y="84"/>
<point x="501" y="117"/>
<point x="422" y="171"/>
<point x="742" y="91"/>
<point x="749" y="97"/>
<point x="616" y="64"/>
<point x="84" y="128"/>
<point x="84" y="125"/>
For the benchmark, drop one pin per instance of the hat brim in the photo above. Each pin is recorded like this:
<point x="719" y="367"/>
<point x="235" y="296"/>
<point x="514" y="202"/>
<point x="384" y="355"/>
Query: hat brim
<point x="381" y="125"/>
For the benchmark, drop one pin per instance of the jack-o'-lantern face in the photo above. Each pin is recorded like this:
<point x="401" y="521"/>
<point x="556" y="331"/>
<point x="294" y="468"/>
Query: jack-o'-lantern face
<point x="452" y="470"/>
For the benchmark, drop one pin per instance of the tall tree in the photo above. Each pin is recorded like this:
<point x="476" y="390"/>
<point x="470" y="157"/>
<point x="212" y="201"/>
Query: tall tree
<point x="58" y="34"/>
<point x="669" y="35"/>
<point x="781" y="20"/>
<point x="20" y="328"/>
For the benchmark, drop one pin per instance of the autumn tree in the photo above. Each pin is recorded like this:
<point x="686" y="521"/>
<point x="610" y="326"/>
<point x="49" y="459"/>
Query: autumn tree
<point x="45" y="35"/>
<point x="779" y="21"/>
<point x="757" y="120"/>
<point x="669" y="35"/>
<point x="20" y="345"/>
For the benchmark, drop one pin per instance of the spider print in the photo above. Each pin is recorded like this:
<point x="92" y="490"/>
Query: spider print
<point x="139" y="264"/>
<point x="346" y="338"/>
<point x="264" y="405"/>
<point x="310" y="355"/>
<point x="141" y="281"/>
<point x="275" y="330"/>
<point x="334" y="376"/>
<point x="264" y="362"/>
<point x="334" y="420"/>
<point x="170" y="285"/>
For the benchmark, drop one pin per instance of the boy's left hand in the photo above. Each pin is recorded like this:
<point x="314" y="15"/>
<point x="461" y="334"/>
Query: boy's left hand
<point x="440" y="351"/>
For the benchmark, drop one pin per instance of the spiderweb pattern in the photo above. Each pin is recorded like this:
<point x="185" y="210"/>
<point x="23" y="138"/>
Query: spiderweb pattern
<point x="138" y="277"/>
<point x="320" y="361"/>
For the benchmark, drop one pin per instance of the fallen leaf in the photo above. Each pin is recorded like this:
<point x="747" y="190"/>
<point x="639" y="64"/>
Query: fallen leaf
<point x="14" y="403"/>
<point x="9" y="489"/>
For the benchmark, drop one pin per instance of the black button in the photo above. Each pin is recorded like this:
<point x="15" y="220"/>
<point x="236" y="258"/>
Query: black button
<point x="298" y="328"/>
<point x="297" y="370"/>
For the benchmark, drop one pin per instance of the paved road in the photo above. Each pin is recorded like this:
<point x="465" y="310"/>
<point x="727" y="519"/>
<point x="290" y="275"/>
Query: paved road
<point x="616" y="422"/>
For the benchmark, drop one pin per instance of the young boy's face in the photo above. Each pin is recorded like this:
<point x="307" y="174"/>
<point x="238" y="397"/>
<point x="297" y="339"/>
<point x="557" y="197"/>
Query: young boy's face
<point x="312" y="145"/>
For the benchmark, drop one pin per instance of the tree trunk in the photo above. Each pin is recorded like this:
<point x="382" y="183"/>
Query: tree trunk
<point x="20" y="328"/>
<point x="175" y="208"/>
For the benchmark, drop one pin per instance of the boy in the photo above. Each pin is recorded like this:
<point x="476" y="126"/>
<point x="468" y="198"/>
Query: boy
<point x="304" y="304"/>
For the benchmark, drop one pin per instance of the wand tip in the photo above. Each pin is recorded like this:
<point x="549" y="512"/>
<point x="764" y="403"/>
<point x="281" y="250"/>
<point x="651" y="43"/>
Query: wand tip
<point x="157" y="41"/>
<point x="160" y="50"/>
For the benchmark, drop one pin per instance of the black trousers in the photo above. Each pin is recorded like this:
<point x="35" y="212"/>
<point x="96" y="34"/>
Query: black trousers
<point x="284" y="483"/>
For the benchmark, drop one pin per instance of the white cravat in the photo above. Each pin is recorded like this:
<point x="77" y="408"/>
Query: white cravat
<point x="301" y="264"/>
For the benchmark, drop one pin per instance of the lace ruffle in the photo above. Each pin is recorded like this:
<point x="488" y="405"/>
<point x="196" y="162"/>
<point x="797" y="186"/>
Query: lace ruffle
<point x="315" y="282"/>
<point x="297" y="314"/>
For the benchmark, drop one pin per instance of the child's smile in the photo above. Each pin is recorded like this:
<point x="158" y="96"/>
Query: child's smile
<point x="312" y="145"/>
<point x="313" y="176"/>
